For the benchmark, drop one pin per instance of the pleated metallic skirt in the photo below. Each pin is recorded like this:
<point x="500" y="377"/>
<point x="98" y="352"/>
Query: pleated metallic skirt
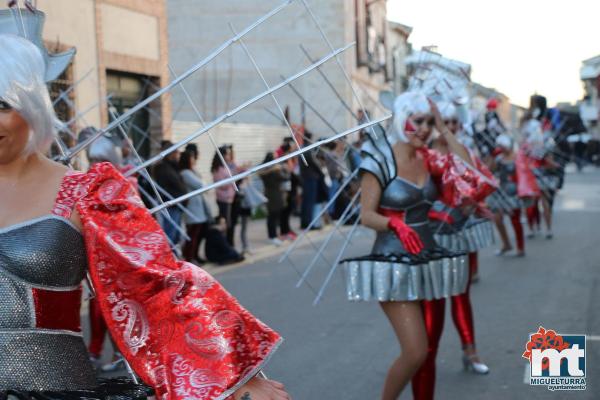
<point x="378" y="279"/>
<point x="475" y="236"/>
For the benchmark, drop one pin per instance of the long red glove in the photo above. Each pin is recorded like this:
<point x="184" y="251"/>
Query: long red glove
<point x="440" y="216"/>
<point x="407" y="236"/>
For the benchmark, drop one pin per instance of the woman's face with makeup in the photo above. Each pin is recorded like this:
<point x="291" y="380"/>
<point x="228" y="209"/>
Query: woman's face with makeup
<point x="14" y="133"/>
<point x="418" y="129"/>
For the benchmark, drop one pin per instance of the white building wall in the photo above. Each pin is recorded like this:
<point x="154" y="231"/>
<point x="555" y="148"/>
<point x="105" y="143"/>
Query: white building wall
<point x="80" y="32"/>
<point x="196" y="28"/>
<point x="251" y="143"/>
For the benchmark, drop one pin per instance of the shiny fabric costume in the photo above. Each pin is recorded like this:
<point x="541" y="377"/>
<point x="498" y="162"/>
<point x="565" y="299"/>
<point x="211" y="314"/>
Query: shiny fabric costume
<point x="389" y="272"/>
<point x="519" y="189"/>
<point x="182" y="333"/>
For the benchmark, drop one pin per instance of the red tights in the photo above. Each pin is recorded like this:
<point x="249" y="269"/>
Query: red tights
<point x="423" y="382"/>
<point x="515" y="220"/>
<point x="533" y="216"/>
<point x="97" y="328"/>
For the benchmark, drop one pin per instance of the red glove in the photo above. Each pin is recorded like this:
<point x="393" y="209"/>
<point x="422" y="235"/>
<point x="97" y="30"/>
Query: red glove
<point x="440" y="216"/>
<point x="407" y="236"/>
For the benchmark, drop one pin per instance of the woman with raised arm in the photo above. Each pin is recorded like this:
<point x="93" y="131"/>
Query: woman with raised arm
<point x="178" y="328"/>
<point x="401" y="178"/>
<point x="463" y="229"/>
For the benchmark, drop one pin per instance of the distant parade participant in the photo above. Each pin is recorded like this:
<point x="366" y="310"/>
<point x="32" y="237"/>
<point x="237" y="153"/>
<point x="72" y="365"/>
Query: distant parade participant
<point x="518" y="189"/>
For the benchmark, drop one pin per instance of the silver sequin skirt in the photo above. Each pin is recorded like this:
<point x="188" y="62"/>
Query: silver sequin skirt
<point x="388" y="279"/>
<point x="476" y="235"/>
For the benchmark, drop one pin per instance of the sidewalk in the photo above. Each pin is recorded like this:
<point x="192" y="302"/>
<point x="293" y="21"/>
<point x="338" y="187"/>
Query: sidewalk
<point x="260" y="246"/>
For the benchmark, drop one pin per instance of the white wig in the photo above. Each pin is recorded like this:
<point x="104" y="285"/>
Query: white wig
<point x="403" y="106"/>
<point x="447" y="110"/>
<point x="22" y="86"/>
<point x="504" y="141"/>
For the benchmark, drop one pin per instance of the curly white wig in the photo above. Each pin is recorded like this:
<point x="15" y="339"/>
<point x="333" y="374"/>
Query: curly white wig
<point x="22" y="86"/>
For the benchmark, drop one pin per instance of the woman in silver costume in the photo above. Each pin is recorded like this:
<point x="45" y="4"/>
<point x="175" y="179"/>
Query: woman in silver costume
<point x="462" y="230"/>
<point x="512" y="172"/>
<point x="401" y="179"/>
<point x="182" y="333"/>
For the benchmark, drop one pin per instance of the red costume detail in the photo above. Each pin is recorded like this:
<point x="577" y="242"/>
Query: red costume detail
<point x="57" y="309"/>
<point x="407" y="236"/>
<point x="462" y="312"/>
<point x="179" y="329"/>
<point x="492" y="104"/>
<point x="97" y="329"/>
<point x="526" y="182"/>
<point x="515" y="219"/>
<point x="423" y="382"/>
<point x="440" y="216"/>
<point x="533" y="216"/>
<point x="457" y="184"/>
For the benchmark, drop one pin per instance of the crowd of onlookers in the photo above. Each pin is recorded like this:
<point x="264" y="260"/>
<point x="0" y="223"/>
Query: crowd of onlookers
<point x="300" y="187"/>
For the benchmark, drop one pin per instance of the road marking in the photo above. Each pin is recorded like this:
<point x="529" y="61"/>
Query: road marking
<point x="593" y="337"/>
<point x="526" y="375"/>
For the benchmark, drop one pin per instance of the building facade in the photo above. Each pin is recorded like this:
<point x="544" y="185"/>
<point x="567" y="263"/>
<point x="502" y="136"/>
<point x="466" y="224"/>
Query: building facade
<point x="589" y="108"/>
<point x="122" y="54"/>
<point x="197" y="28"/>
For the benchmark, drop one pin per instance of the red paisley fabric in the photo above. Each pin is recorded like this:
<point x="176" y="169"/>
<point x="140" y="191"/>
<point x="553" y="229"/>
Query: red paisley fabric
<point x="457" y="184"/>
<point x="179" y="329"/>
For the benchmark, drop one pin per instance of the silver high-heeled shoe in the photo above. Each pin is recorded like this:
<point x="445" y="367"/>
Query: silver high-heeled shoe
<point x="476" y="367"/>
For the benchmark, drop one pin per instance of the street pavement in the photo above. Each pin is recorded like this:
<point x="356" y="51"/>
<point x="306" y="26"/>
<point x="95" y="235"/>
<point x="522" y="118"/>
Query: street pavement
<point x="341" y="350"/>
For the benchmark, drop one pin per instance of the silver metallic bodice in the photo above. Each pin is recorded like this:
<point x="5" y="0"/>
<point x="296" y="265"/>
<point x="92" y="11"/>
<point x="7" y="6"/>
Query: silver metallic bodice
<point x="505" y="171"/>
<point x="415" y="202"/>
<point x="44" y="254"/>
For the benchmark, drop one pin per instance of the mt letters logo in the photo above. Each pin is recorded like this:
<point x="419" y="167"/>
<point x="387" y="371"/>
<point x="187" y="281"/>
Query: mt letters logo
<point x="556" y="361"/>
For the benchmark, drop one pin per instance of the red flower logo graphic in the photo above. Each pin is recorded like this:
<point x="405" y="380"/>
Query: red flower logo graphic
<point x="545" y="339"/>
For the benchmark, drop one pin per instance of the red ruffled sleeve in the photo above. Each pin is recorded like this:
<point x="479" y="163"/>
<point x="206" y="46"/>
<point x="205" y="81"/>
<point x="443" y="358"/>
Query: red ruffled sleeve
<point x="178" y="328"/>
<point x="457" y="184"/>
<point x="526" y="182"/>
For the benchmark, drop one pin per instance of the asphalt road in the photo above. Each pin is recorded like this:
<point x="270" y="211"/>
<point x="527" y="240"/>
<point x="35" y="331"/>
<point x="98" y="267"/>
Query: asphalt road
<point x="341" y="350"/>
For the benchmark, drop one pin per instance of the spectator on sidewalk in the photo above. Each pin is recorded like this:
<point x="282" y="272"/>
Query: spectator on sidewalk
<point x="274" y="179"/>
<point x="196" y="226"/>
<point x="226" y="193"/>
<point x="323" y="188"/>
<point x="310" y="175"/>
<point x="289" y="187"/>
<point x="218" y="250"/>
<point x="166" y="174"/>
<point x="239" y="210"/>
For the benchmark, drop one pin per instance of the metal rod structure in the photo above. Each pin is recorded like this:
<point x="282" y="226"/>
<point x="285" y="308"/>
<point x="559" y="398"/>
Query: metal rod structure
<point x="181" y="78"/>
<point x="81" y="114"/>
<point x="71" y="88"/>
<point x="199" y="115"/>
<point x="263" y="166"/>
<point x="231" y="113"/>
<point x="314" y="221"/>
<point x="336" y="262"/>
<point x="262" y="77"/>
<point x="326" y="152"/>
<point x="313" y="109"/>
<point x="325" y="243"/>
<point x="337" y="59"/>
<point x="328" y="82"/>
